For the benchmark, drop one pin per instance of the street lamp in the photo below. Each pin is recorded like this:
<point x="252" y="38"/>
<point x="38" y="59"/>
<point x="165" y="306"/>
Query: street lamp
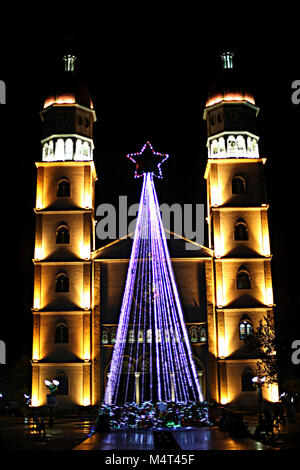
<point x="259" y="383"/>
<point x="51" y="398"/>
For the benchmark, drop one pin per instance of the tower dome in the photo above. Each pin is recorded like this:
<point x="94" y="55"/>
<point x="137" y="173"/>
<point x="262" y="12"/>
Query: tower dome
<point x="69" y="89"/>
<point x="229" y="86"/>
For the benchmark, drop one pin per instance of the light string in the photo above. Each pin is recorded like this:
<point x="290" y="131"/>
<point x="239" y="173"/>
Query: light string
<point x="152" y="308"/>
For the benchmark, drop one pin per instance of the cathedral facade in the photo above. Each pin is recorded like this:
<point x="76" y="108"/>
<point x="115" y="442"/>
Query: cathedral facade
<point x="225" y="288"/>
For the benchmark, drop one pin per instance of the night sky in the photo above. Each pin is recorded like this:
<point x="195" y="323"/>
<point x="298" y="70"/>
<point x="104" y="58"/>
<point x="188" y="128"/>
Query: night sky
<point x="149" y="82"/>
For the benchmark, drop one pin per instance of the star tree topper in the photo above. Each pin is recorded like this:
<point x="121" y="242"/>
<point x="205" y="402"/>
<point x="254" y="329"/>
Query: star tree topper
<point x="147" y="161"/>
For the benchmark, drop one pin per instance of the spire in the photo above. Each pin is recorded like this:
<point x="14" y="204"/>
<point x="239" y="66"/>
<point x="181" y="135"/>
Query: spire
<point x="69" y="60"/>
<point x="70" y="51"/>
<point x="227" y="60"/>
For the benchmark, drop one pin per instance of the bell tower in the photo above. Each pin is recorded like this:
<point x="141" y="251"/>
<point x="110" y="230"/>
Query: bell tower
<point x="238" y="231"/>
<point x="64" y="241"/>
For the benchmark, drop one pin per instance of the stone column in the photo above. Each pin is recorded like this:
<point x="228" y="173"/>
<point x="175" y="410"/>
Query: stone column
<point x="108" y="387"/>
<point x="200" y="378"/>
<point x="172" y="387"/>
<point x="137" y="387"/>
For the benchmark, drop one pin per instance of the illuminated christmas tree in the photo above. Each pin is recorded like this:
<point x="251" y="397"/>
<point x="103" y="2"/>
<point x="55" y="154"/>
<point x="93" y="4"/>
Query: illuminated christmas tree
<point x="152" y="357"/>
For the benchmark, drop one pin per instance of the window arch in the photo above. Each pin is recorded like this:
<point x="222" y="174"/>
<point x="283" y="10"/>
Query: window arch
<point x="194" y="334"/>
<point x="245" y="329"/>
<point x="78" y="150"/>
<point x="247" y="384"/>
<point x="202" y="334"/>
<point x="60" y="149"/>
<point x="63" y="188"/>
<point x="149" y="335"/>
<point x="254" y="148"/>
<point x="214" y="147"/>
<point x="240" y="230"/>
<point x="105" y="336"/>
<point x="63" y="387"/>
<point x="249" y="146"/>
<point x="48" y="151"/>
<point x="113" y="335"/>
<point x="45" y="151"/>
<point x="131" y="336"/>
<point x="62" y="283"/>
<point x="62" y="235"/>
<point x="241" y="145"/>
<point x="85" y="150"/>
<point x="69" y="149"/>
<point x="238" y="185"/>
<point x="243" y="279"/>
<point x="140" y="336"/>
<point x="221" y="145"/>
<point x="231" y="145"/>
<point x="61" y="332"/>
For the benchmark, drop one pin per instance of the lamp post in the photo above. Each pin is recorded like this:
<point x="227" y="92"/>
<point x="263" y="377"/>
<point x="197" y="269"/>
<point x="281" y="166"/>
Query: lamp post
<point x="259" y="383"/>
<point x="51" y="398"/>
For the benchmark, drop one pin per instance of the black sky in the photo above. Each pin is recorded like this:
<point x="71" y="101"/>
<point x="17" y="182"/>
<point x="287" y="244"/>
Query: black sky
<point x="149" y="81"/>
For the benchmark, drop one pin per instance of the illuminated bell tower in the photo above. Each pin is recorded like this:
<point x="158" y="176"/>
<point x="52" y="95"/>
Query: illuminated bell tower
<point x="238" y="232"/>
<point x="64" y="241"/>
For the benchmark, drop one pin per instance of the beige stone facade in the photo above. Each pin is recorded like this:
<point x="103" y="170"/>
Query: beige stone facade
<point x="78" y="290"/>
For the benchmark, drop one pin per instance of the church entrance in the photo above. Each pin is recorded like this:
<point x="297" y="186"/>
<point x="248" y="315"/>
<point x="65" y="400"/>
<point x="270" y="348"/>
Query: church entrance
<point x="136" y="380"/>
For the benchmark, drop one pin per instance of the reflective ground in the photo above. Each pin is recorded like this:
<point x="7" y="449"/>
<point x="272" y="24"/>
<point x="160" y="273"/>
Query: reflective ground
<point x="205" y="438"/>
<point x="68" y="433"/>
<point x="17" y="433"/>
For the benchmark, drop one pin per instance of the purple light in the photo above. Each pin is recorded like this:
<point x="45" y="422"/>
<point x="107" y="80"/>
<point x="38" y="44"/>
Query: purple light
<point x="145" y="164"/>
<point x="151" y="301"/>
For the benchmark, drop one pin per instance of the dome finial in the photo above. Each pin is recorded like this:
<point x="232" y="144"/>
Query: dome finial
<point x="227" y="60"/>
<point x="69" y="60"/>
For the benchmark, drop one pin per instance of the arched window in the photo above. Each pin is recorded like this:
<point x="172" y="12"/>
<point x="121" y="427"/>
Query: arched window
<point x="62" y="235"/>
<point x="128" y="365"/>
<point x="45" y="152"/>
<point x="241" y="146"/>
<point x="63" y="387"/>
<point x="254" y="148"/>
<point x="113" y="335"/>
<point x="69" y="149"/>
<point x="202" y="334"/>
<point x="61" y="332"/>
<point x="105" y="336"/>
<point x="214" y="147"/>
<point x="238" y="185"/>
<point x="48" y="151"/>
<point x="240" y="230"/>
<point x="245" y="329"/>
<point x="243" y="279"/>
<point x="249" y="146"/>
<point x="194" y="334"/>
<point x="78" y="151"/>
<point x="63" y="188"/>
<point x="141" y="336"/>
<point x="158" y="335"/>
<point x="221" y="145"/>
<point x="247" y="384"/>
<point x="60" y="150"/>
<point x="62" y="283"/>
<point x="131" y="336"/>
<point x="149" y="335"/>
<point x="85" y="151"/>
<point x="231" y="145"/>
